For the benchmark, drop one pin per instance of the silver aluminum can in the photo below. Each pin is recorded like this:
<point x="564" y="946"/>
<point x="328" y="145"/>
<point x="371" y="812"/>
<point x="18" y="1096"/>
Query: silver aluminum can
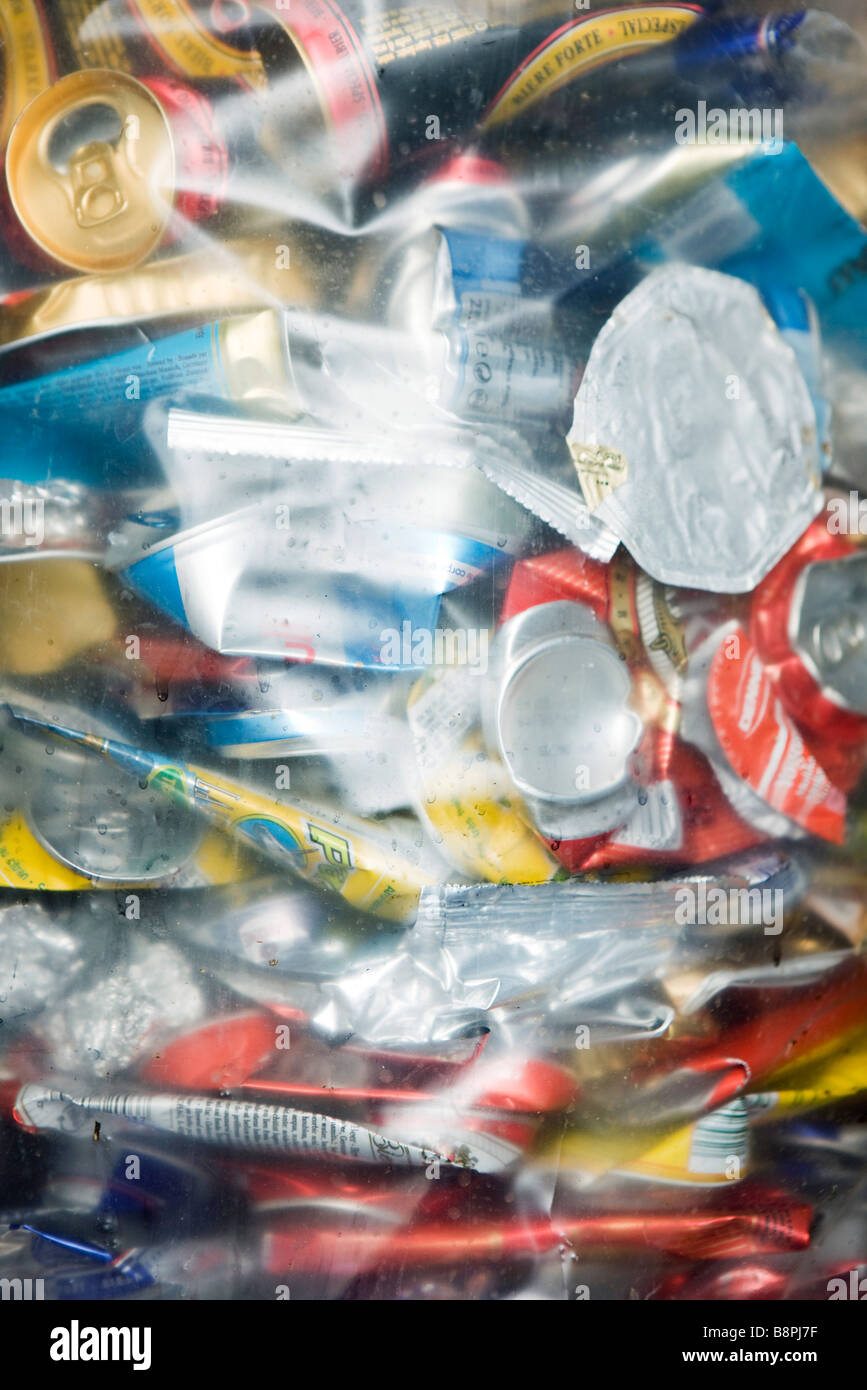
<point x="450" y="287"/>
<point x="109" y="829"/>
<point x="371" y="543"/>
<point x="828" y="628"/>
<point x="557" y="712"/>
<point x="693" y="392"/>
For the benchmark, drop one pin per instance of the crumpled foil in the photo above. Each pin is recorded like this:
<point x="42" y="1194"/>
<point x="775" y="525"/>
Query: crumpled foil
<point x="692" y="383"/>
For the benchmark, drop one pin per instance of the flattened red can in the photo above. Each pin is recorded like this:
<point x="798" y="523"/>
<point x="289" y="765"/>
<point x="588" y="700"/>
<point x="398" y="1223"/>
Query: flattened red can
<point x="807" y="623"/>
<point x="752" y="753"/>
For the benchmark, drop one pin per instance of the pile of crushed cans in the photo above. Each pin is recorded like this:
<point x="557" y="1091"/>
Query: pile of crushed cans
<point x="433" y="651"/>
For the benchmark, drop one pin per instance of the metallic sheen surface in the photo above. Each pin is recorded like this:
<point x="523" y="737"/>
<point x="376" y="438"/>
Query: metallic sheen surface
<point x="693" y="384"/>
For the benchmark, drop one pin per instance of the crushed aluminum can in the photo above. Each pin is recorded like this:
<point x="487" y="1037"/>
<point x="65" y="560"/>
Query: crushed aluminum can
<point x="377" y="866"/>
<point x="712" y="720"/>
<point x="40" y="43"/>
<point x="695" y="433"/>
<point x="79" y="828"/>
<point x="767" y="768"/>
<point x="228" y="1123"/>
<point x="557" y="713"/>
<point x="212" y="361"/>
<point x="489" y="356"/>
<point x="829" y="610"/>
<point x="812" y="643"/>
<point x="240" y="277"/>
<point x="343" y="83"/>
<point x="461" y="285"/>
<point x="736" y="1229"/>
<point x="344" y="552"/>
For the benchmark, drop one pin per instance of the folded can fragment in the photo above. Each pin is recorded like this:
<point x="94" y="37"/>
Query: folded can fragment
<point x="695" y="430"/>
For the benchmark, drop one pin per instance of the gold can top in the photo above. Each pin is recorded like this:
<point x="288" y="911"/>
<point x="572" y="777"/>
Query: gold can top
<point x="90" y="171"/>
<point x="842" y="167"/>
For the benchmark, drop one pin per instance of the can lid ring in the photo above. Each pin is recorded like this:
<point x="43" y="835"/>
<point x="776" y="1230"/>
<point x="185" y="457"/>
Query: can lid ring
<point x="107" y="205"/>
<point x="575" y="791"/>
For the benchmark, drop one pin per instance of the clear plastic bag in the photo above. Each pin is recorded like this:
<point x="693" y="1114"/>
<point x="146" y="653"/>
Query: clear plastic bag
<point x="432" y="651"/>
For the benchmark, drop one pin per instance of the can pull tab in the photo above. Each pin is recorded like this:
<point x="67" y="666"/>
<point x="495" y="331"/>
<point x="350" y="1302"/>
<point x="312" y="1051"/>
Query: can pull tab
<point x="96" y="190"/>
<point x="83" y="150"/>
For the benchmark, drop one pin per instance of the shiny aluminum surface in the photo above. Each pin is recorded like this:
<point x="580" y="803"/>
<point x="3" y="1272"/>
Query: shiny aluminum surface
<point x="561" y="721"/>
<point x="692" y="384"/>
<point x="828" y="626"/>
